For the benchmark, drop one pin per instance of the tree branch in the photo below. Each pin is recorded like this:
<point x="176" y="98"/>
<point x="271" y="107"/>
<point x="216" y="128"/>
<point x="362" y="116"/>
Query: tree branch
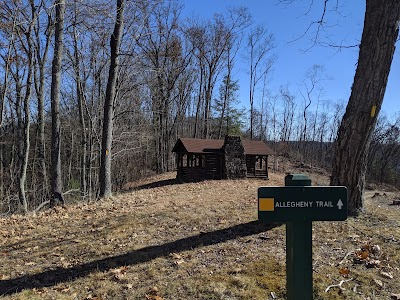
<point x="338" y="285"/>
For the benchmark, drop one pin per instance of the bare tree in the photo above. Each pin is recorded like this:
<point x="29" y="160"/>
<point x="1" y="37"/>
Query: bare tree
<point x="106" y="143"/>
<point x="380" y="33"/>
<point x="381" y="28"/>
<point x="56" y="175"/>
<point x="21" y="70"/>
<point x="260" y="44"/>
<point x="229" y="86"/>
<point x="41" y="54"/>
<point x="80" y="93"/>
<point x="211" y="41"/>
<point x="165" y="58"/>
<point x="264" y="111"/>
<point x="28" y="47"/>
<point x="7" y="58"/>
<point x="384" y="150"/>
<point x="313" y="91"/>
<point x="8" y="22"/>
<point x="288" y="113"/>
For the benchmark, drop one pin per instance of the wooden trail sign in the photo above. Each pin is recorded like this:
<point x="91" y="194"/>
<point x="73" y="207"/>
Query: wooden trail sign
<point x="302" y="203"/>
<point x="298" y="204"/>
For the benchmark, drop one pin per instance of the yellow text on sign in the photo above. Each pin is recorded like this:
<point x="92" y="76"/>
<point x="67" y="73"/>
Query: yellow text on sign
<point x="266" y="204"/>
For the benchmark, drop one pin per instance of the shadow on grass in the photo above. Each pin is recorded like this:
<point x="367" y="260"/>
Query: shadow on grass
<point x="59" y="275"/>
<point x="151" y="185"/>
<point x="165" y="182"/>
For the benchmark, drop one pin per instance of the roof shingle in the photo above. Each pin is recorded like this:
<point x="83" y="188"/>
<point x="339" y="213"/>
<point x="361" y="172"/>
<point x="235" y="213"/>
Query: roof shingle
<point x="205" y="146"/>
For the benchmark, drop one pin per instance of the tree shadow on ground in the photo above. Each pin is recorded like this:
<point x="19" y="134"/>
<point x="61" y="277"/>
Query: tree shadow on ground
<point x="155" y="184"/>
<point x="59" y="275"/>
<point x="162" y="183"/>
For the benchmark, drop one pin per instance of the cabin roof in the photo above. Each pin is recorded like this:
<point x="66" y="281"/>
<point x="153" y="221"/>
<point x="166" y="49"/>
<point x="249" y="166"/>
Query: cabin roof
<point x="191" y="145"/>
<point x="203" y="146"/>
<point x="256" y="148"/>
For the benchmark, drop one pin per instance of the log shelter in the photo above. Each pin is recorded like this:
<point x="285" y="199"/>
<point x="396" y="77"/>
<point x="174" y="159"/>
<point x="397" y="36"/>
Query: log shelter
<point x="199" y="159"/>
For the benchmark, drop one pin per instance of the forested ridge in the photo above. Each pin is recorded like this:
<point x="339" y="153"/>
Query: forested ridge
<point x="174" y="77"/>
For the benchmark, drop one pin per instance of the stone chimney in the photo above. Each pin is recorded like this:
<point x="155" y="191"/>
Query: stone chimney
<point x="235" y="159"/>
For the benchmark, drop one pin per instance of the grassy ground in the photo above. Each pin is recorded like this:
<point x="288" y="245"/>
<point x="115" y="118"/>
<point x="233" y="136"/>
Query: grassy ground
<point x="163" y="240"/>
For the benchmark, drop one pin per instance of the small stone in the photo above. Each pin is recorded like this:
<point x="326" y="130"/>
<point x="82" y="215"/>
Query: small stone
<point x="378" y="282"/>
<point x="373" y="263"/>
<point x="395" y="296"/>
<point x="387" y="275"/>
<point x="376" y="250"/>
<point x="179" y="262"/>
<point x="175" y="256"/>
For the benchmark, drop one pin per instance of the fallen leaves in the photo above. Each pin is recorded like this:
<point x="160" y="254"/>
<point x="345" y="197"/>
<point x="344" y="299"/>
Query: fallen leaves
<point x="93" y="297"/>
<point x="373" y="263"/>
<point x="153" y="297"/>
<point x="129" y="286"/>
<point x="149" y="223"/>
<point x="344" y="271"/>
<point x="178" y="259"/>
<point x="63" y="288"/>
<point x="4" y="277"/>
<point x="119" y="273"/>
<point x="40" y="292"/>
<point x="360" y="255"/>
<point x="368" y="255"/>
<point x="153" y="294"/>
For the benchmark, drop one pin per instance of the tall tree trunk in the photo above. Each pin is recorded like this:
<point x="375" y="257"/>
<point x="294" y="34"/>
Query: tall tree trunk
<point x="106" y="143"/>
<point x="19" y="104"/>
<point x="381" y="27"/>
<point x="3" y="91"/>
<point x="41" y="130"/>
<point x="81" y="107"/>
<point x="56" y="180"/>
<point x="26" y="146"/>
<point x="225" y="99"/>
<point x="207" y="106"/>
<point x="251" y="96"/>
<point x="2" y="198"/>
<point x="198" y="106"/>
<point x="40" y="91"/>
<point x="27" y="98"/>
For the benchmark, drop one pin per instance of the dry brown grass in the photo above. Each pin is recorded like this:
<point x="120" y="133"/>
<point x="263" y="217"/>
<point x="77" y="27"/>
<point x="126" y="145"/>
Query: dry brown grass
<point x="161" y="240"/>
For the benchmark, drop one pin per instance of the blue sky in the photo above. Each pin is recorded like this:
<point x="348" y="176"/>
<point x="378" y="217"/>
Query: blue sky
<point x="287" y="23"/>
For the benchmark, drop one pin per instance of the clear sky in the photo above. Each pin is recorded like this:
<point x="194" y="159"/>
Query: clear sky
<point x="287" y="23"/>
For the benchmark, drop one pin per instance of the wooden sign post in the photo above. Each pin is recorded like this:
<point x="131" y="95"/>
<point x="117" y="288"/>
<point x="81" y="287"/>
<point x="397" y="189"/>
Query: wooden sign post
<point x="298" y="204"/>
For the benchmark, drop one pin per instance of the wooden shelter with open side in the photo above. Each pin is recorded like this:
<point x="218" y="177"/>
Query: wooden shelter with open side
<point x="257" y="153"/>
<point x="199" y="159"/>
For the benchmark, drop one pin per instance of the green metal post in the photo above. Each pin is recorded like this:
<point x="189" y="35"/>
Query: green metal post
<point x="298" y="250"/>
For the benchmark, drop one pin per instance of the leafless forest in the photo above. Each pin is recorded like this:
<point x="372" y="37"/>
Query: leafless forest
<point x="136" y="76"/>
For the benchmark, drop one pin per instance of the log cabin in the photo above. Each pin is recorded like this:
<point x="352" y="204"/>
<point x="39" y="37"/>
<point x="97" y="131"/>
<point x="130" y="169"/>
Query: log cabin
<point x="231" y="158"/>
